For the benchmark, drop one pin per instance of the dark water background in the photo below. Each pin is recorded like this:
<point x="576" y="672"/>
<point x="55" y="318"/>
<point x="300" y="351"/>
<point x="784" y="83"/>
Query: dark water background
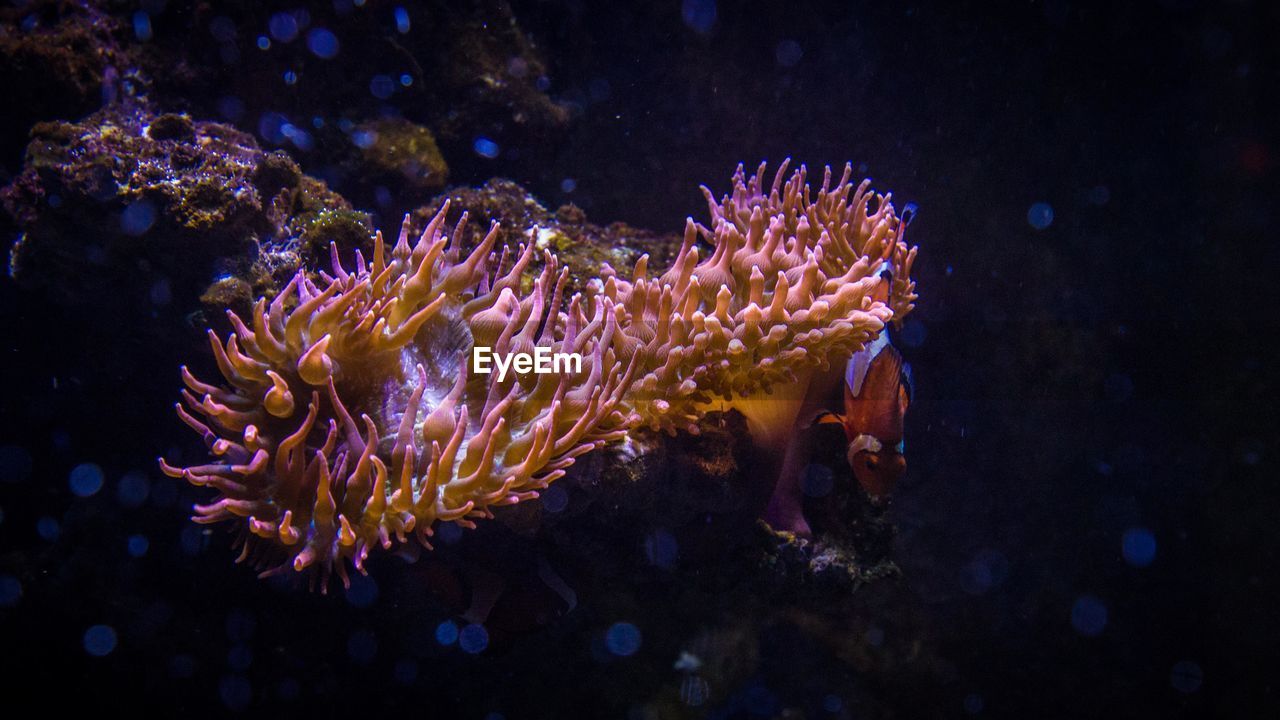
<point x="1106" y="375"/>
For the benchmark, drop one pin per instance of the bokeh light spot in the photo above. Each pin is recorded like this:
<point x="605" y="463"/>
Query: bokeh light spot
<point x="86" y="479"/>
<point x="473" y="639"/>
<point x="1089" y="615"/>
<point x="623" y="639"/>
<point x="447" y="633"/>
<point x="100" y="640"/>
<point x="322" y="43"/>
<point x="138" y="545"/>
<point x="486" y="148"/>
<point x="1138" y="545"/>
<point x="1040" y="215"/>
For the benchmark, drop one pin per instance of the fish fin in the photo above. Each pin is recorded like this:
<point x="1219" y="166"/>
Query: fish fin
<point x="826" y="417"/>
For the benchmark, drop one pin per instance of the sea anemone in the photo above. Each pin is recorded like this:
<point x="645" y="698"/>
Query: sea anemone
<point x="761" y="326"/>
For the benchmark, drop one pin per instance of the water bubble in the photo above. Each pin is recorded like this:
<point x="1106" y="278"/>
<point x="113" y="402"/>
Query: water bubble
<point x="240" y="657"/>
<point x="100" y="640"/>
<point x="406" y="79"/>
<point x="263" y="42"/>
<point x="290" y="77"/>
<point x="362" y="646"/>
<point x="138" y="218"/>
<point x="622" y="639"/>
<point x="1138" y="545"/>
<point x="48" y="528"/>
<point x="788" y="53"/>
<point x="402" y="20"/>
<point x="473" y="639"/>
<point x="235" y="691"/>
<point x="133" y="489"/>
<point x="568" y="185"/>
<point x="485" y="148"/>
<point x="1089" y="615"/>
<point x="15" y="464"/>
<point x="1186" y="677"/>
<point x="406" y="671"/>
<point x="913" y="333"/>
<point x="382" y="86"/>
<point x="1040" y="215"/>
<point x="138" y="545"/>
<point x="322" y="43"/>
<point x="10" y="591"/>
<point x="447" y="633"/>
<point x="363" y="591"/>
<point x="142" y="26"/>
<point x="699" y="15"/>
<point x="554" y="499"/>
<point x="86" y="479"/>
<point x="283" y="26"/>
<point x="661" y="548"/>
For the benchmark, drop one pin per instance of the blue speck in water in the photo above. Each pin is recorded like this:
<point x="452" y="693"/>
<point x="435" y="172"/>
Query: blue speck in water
<point x="133" y="489"/>
<point x="138" y="545"/>
<point x="283" y="26"/>
<point x="788" y="53"/>
<point x="973" y="703"/>
<point x="1186" y="677"/>
<point x="406" y="671"/>
<point x="1089" y="615"/>
<point x="406" y="79"/>
<point x="832" y="703"/>
<point x="48" y="529"/>
<point x="485" y="148"/>
<point x="322" y="43"/>
<point x="913" y="333"/>
<point x="138" y="218"/>
<point x="363" y="591"/>
<point x="1040" y="215"/>
<point x="362" y="646"/>
<point x="15" y="464"/>
<point x="86" y="479"/>
<point x="622" y="639"/>
<point x="473" y="639"/>
<point x="382" y="86"/>
<point x="10" y="591"/>
<point x="568" y="185"/>
<point x="699" y="15"/>
<point x="100" y="640"/>
<point x="290" y="77"/>
<point x="818" y="481"/>
<point x="661" y="548"/>
<point x="402" y="20"/>
<point x="235" y="691"/>
<point x="1138" y="545"/>
<point x="239" y="658"/>
<point x="447" y="633"/>
<point x="364" y="138"/>
<point x="142" y="26"/>
<point x="554" y="499"/>
<point x="263" y="42"/>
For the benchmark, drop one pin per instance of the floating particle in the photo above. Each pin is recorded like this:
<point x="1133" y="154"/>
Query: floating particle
<point x="263" y="42"/>
<point x="138" y="545"/>
<point x="1186" y="677"/>
<point x="1138" y="545"/>
<point x="485" y="148"/>
<point x="622" y="639"/>
<point x="406" y="79"/>
<point x="473" y="639"/>
<point x="10" y="591"/>
<point x="382" y="86"/>
<point x="290" y="77"/>
<point x="447" y="633"/>
<point x="1089" y="615"/>
<point x="138" y="218"/>
<point x="235" y="691"/>
<point x="142" y="26"/>
<point x="568" y="185"/>
<point x="788" y="53"/>
<point x="363" y="591"/>
<point x="133" y="489"/>
<point x="283" y="27"/>
<point x="100" y="640"/>
<point x="15" y="464"/>
<point x="322" y="43"/>
<point x="362" y="646"/>
<point x="402" y="20"/>
<point x="48" y="528"/>
<point x="699" y="15"/>
<point x="1040" y="215"/>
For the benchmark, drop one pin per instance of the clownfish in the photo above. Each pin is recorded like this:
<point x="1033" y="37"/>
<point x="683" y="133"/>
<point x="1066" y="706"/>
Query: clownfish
<point x="877" y="392"/>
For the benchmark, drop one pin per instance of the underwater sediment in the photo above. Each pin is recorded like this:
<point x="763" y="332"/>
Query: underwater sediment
<point x="348" y="419"/>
